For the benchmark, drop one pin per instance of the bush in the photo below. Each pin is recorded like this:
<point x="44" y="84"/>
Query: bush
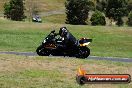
<point x="98" y="18"/>
<point x="119" y="21"/>
<point x="130" y="19"/>
<point x="7" y="10"/>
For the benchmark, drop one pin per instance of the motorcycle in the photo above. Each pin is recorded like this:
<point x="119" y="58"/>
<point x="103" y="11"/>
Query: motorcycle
<point x="53" y="45"/>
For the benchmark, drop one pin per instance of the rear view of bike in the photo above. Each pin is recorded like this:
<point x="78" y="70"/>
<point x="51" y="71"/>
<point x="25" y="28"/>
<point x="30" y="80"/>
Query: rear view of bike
<point x="83" y="50"/>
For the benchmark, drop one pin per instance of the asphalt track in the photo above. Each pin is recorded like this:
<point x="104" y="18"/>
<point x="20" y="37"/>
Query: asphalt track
<point x="90" y="57"/>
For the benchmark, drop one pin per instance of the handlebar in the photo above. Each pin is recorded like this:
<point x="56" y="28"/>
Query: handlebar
<point x="56" y="34"/>
<point x="53" y="32"/>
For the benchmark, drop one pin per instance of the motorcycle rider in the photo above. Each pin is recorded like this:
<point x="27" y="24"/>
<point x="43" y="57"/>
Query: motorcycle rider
<point x="68" y="39"/>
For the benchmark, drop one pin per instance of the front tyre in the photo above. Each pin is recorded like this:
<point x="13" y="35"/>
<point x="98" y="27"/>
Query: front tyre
<point x="41" y="51"/>
<point x="83" y="52"/>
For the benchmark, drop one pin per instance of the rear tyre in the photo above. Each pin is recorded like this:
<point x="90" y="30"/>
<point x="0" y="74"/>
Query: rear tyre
<point x="41" y="51"/>
<point x="83" y="52"/>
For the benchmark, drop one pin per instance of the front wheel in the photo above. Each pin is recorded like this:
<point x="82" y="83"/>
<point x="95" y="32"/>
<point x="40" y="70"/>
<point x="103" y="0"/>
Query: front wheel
<point x="83" y="52"/>
<point x="41" y="51"/>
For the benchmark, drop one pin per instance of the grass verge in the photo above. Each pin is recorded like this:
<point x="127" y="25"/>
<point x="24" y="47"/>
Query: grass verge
<point x="48" y="72"/>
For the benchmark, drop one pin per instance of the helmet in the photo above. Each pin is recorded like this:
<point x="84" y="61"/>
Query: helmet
<point x="63" y="31"/>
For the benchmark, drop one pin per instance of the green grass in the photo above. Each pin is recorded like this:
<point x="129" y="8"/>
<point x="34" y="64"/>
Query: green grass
<point x="25" y="36"/>
<point x="49" y="72"/>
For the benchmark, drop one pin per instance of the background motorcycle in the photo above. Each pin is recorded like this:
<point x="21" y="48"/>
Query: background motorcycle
<point x="53" y="45"/>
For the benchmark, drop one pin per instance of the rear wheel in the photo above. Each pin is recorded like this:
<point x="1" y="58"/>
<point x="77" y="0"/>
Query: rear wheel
<point x="83" y="52"/>
<point x="41" y="51"/>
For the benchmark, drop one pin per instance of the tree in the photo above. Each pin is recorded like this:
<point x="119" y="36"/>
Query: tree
<point x="119" y="21"/>
<point x="77" y="11"/>
<point x="14" y="10"/>
<point x="98" y="18"/>
<point x="130" y="19"/>
<point x="101" y="5"/>
<point x="129" y="6"/>
<point x="7" y="10"/>
<point x="116" y="9"/>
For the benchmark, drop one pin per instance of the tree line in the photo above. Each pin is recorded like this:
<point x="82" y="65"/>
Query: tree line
<point x="77" y="11"/>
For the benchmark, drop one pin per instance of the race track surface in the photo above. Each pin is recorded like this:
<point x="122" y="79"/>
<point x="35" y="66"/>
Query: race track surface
<point x="90" y="57"/>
